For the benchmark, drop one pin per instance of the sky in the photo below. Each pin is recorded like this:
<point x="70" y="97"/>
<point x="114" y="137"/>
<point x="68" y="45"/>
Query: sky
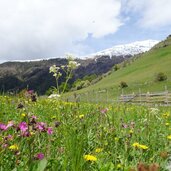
<point x="40" y="29"/>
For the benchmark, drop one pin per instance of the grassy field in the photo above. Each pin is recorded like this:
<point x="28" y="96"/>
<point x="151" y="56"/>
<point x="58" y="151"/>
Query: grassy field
<point x="139" y="75"/>
<point x="54" y="135"/>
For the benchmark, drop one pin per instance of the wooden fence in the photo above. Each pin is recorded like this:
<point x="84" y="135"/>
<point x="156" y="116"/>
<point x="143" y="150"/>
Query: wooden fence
<point x="106" y="96"/>
<point x="163" y="98"/>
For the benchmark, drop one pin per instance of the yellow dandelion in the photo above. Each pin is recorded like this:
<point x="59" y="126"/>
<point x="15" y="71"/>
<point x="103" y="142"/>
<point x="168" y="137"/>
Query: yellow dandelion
<point x="135" y="144"/>
<point x="90" y="157"/>
<point x="98" y="150"/>
<point x="144" y="147"/>
<point x="13" y="147"/>
<point x="23" y="115"/>
<point x="81" y="116"/>
<point x="169" y="137"/>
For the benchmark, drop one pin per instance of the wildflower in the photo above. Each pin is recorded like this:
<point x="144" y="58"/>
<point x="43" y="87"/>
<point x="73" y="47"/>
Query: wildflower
<point x="135" y="144"/>
<point x="32" y="133"/>
<point x="103" y="111"/>
<point x="13" y="147"/>
<point x="98" y="150"/>
<point x="3" y="127"/>
<point x="23" y="115"/>
<point x="10" y="124"/>
<point x="119" y="166"/>
<point x="140" y="146"/>
<point x="49" y="130"/>
<point x="144" y="147"/>
<point x="154" y="111"/>
<point x="90" y="157"/>
<point x="131" y="131"/>
<point x="41" y="126"/>
<point x="39" y="156"/>
<point x="73" y="64"/>
<point x="169" y="137"/>
<point x="166" y="115"/>
<point x="23" y="126"/>
<point x="81" y="116"/>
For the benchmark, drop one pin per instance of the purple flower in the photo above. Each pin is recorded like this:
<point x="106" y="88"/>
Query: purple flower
<point x="103" y="111"/>
<point x="49" y="130"/>
<point x="10" y="124"/>
<point x="30" y="91"/>
<point x="3" y="127"/>
<point x="124" y="125"/>
<point x="23" y="126"/>
<point x="41" y="126"/>
<point x="40" y="156"/>
<point x="34" y="117"/>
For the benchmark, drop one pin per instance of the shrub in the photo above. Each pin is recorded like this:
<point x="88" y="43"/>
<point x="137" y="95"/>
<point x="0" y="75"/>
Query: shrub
<point x="123" y="84"/>
<point x="161" y="76"/>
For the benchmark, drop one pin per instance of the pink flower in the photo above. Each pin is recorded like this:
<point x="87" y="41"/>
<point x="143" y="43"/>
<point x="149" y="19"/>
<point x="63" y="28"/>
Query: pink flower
<point x="103" y="111"/>
<point x="41" y="126"/>
<point x="23" y="126"/>
<point x="49" y="130"/>
<point x="10" y="124"/>
<point x="3" y="127"/>
<point x="40" y="156"/>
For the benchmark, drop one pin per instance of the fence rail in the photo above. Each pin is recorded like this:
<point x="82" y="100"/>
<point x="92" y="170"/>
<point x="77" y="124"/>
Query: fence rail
<point x="105" y="95"/>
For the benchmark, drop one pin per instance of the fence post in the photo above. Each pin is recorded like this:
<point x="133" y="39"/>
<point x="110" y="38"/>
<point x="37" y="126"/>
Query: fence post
<point x="166" y="95"/>
<point x="147" y="97"/>
<point x="140" y="96"/>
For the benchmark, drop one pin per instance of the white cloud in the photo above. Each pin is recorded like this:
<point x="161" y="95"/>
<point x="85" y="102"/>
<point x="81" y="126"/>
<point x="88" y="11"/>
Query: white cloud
<point x="43" y="28"/>
<point x="152" y="13"/>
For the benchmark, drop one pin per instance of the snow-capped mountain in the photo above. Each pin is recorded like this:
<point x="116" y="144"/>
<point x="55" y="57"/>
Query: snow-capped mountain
<point x="127" y="49"/>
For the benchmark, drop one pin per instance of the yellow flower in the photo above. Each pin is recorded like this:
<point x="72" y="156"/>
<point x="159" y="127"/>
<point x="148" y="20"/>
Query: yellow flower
<point x="166" y="115"/>
<point x="23" y="114"/>
<point x="144" y="147"/>
<point x="81" y="116"/>
<point x="32" y="133"/>
<point x="119" y="166"/>
<point x="13" y="147"/>
<point x="169" y="137"/>
<point x="131" y="131"/>
<point x="98" y="150"/>
<point x="90" y="157"/>
<point x="140" y="146"/>
<point x="135" y="144"/>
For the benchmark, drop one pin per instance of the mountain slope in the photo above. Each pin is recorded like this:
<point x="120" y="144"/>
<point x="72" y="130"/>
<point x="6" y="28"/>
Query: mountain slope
<point x="127" y="49"/>
<point x="141" y="73"/>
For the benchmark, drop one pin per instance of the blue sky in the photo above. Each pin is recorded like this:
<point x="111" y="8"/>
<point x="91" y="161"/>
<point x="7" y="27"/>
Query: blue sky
<point x="39" y="29"/>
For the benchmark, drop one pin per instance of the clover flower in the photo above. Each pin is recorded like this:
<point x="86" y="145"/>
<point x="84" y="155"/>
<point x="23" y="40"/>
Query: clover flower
<point x="39" y="156"/>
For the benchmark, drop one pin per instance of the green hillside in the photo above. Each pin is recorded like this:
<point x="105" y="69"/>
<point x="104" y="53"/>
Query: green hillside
<point x="140" y="74"/>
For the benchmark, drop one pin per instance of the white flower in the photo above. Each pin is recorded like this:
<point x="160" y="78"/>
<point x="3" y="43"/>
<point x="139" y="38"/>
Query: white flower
<point x="56" y="96"/>
<point x="73" y="64"/>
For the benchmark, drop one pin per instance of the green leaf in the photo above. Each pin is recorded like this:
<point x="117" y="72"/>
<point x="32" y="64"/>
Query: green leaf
<point x="42" y="165"/>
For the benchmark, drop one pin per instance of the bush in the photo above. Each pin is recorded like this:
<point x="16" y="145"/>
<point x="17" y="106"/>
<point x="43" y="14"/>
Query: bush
<point x="123" y="84"/>
<point x="161" y="76"/>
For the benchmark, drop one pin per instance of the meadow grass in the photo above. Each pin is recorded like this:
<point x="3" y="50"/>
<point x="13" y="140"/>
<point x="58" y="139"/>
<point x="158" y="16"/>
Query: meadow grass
<point x="54" y="135"/>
